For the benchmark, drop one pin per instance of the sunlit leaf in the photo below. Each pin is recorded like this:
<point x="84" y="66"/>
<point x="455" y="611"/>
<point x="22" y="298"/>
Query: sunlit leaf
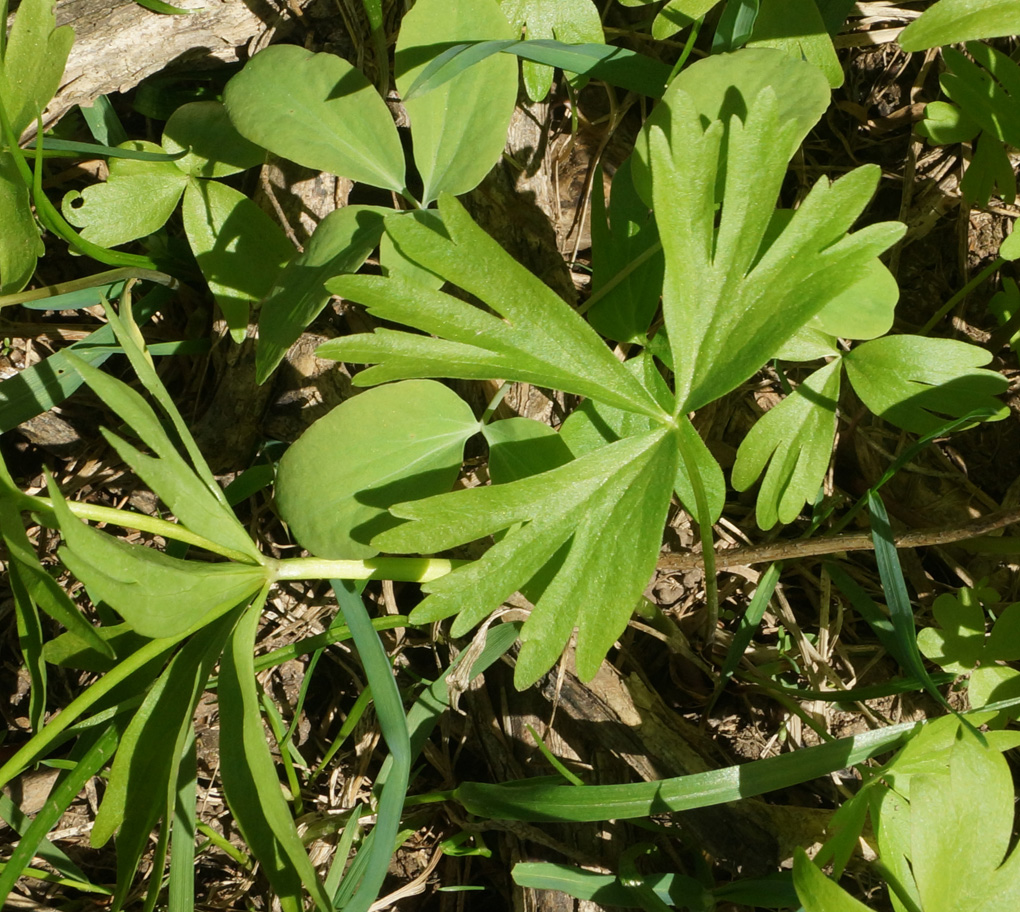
<point x="212" y="144"/>
<point x="916" y="382"/>
<point x="284" y="90"/>
<point x="135" y="200"/>
<point x="796" y="27"/>
<point x="388" y="444"/>
<point x="817" y="892"/>
<point x="20" y="244"/>
<point x="459" y="129"/>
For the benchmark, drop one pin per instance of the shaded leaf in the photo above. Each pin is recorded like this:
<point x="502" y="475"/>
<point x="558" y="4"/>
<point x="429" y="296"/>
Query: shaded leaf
<point x="988" y="89"/>
<point x="678" y="14"/>
<point x="341" y="242"/>
<point x="239" y="248"/>
<point x="522" y="447"/>
<point x="945" y="124"/>
<point x="319" y="111"/>
<point x="915" y="382"/>
<point x="817" y="892"/>
<point x="539" y="340"/>
<point x="794" y="439"/>
<point x="135" y="200"/>
<point x="250" y="783"/>
<point x="459" y="129"/>
<point x="335" y="485"/>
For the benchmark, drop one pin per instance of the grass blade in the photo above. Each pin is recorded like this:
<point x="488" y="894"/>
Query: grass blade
<point x="390" y="711"/>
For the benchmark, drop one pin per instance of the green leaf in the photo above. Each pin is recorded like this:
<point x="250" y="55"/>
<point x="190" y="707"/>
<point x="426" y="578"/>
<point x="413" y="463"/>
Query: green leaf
<point x="795" y="439"/>
<point x="319" y="111"/>
<point x="135" y="200"/>
<point x="817" y="892"/>
<point x="239" y="248"/>
<point x="599" y="521"/>
<point x="250" y="783"/>
<point x="960" y="643"/>
<point x="335" y="485"/>
<point x="1010" y="247"/>
<point x="341" y="242"/>
<point x="724" y="86"/>
<point x="158" y="595"/>
<point x="796" y="28"/>
<point x="945" y="124"/>
<point x="866" y="309"/>
<point x="606" y="889"/>
<point x="20" y="244"/>
<point x="166" y="473"/>
<point x="522" y="447"/>
<point x="459" y="130"/>
<point x="627" y="260"/>
<point x="569" y="21"/>
<point x="956" y="21"/>
<point x="990" y="168"/>
<point x="728" y="308"/>
<point x="915" y="382"/>
<point x="988" y="90"/>
<point x="212" y="146"/>
<point x="32" y="61"/>
<point x="540" y="339"/>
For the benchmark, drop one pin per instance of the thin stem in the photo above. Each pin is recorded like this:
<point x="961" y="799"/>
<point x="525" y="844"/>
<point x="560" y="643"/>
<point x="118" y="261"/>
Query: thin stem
<point x="620" y="276"/>
<point x="961" y="294"/>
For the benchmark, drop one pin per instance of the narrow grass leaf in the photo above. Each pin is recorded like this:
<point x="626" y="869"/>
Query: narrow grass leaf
<point x="250" y="783"/>
<point x="606" y="889"/>
<point x="181" y="890"/>
<point x="95" y="150"/>
<point x="390" y="711"/>
<point x="549" y="801"/>
<point x="901" y="614"/>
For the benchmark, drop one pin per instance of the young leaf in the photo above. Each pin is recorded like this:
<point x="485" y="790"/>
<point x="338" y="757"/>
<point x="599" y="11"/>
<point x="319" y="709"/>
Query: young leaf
<point x="239" y="248"/>
<point x="569" y="21"/>
<point x="956" y="21"/>
<point x="32" y="61"/>
<point x="914" y="382"/>
<point x="795" y="440"/>
<point x="158" y="595"/>
<point x="135" y="200"/>
<point x="335" y="485"/>
<point x="212" y="146"/>
<point x="726" y="310"/>
<point x="723" y="86"/>
<point x="340" y="244"/>
<point x="20" y="244"/>
<point x="945" y="124"/>
<point x="319" y="111"/>
<point x="459" y="130"/>
<point x="598" y="518"/>
<point x="539" y="340"/>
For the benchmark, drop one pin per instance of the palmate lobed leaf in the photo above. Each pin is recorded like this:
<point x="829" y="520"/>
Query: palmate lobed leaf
<point x="727" y="311"/>
<point x="593" y="527"/>
<point x="540" y="339"/>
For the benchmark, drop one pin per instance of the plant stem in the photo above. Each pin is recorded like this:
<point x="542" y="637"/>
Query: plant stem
<point x="400" y="569"/>
<point x="707" y="543"/>
<point x="961" y="294"/>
